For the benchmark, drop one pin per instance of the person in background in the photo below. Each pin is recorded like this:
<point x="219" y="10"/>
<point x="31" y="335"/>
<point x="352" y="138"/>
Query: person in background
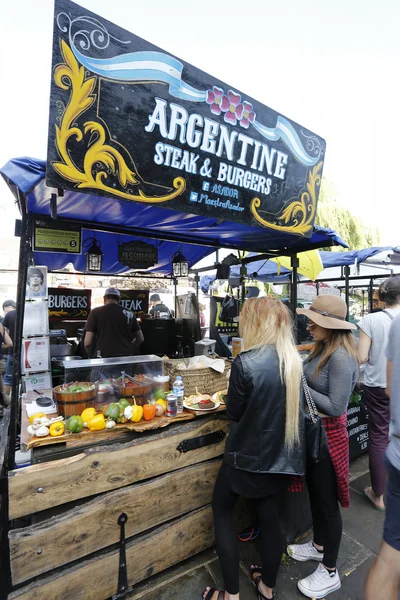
<point x="115" y="328"/>
<point x="158" y="308"/>
<point x="373" y="340"/>
<point x="331" y="371"/>
<point x="5" y="344"/>
<point x="383" y="581"/>
<point x="202" y="318"/>
<point x="9" y="321"/>
<point x="265" y="445"/>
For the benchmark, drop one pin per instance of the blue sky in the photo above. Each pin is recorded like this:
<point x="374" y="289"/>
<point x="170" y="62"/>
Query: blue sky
<point x="331" y="65"/>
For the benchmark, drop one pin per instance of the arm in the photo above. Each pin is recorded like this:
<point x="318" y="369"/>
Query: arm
<point x="364" y="346"/>
<point x="388" y="377"/>
<point x="138" y="339"/>
<point x="88" y="343"/>
<point x="7" y="343"/>
<point x="236" y="399"/>
<point x="340" y="386"/>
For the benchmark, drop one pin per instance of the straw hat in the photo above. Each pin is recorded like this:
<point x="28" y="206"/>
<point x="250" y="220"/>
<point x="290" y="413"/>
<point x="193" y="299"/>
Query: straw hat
<point x="328" y="312"/>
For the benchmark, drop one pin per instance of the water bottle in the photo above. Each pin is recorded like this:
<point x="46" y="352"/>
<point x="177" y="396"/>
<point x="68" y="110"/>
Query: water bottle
<point x="178" y="389"/>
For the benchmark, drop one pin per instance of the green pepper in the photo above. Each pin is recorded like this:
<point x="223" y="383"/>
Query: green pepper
<point x="124" y="403"/>
<point x="75" y="424"/>
<point x="112" y="411"/>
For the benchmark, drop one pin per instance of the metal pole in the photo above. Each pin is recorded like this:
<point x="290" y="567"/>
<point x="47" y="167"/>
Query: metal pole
<point x="317" y="288"/>
<point x="175" y="280"/>
<point x="294" y="263"/>
<point x="346" y="270"/>
<point x="371" y="296"/>
<point x="243" y="273"/>
<point x="24" y="252"/>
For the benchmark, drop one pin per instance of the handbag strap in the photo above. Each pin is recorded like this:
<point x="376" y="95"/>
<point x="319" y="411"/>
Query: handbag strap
<point x="310" y="402"/>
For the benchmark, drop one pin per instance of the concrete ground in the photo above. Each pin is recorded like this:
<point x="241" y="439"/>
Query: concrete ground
<point x="362" y="534"/>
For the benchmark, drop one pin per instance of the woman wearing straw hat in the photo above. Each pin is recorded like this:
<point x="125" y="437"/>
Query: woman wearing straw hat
<point x="331" y="371"/>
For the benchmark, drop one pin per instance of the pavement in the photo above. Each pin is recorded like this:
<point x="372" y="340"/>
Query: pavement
<point x="362" y="534"/>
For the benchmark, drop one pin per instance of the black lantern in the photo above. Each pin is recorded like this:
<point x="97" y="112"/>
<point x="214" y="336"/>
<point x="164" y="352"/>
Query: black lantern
<point x="180" y="265"/>
<point x="94" y="255"/>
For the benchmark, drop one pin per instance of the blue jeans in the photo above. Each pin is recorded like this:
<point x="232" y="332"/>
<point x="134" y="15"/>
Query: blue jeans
<point x="391" y="529"/>
<point x="8" y="375"/>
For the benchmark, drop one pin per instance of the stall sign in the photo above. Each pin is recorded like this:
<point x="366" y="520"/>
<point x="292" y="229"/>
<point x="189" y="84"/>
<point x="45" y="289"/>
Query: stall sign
<point x="67" y="304"/>
<point x="137" y="255"/>
<point x="130" y="121"/>
<point x="135" y="300"/>
<point x="54" y="237"/>
<point x="357" y="426"/>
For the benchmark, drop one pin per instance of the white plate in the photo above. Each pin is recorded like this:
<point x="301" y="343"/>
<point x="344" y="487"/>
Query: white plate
<point x="217" y="404"/>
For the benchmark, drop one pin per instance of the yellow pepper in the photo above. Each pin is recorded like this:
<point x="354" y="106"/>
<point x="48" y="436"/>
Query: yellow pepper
<point x="57" y="429"/>
<point x="162" y="402"/>
<point x="97" y="423"/>
<point x="87" y="415"/>
<point x="37" y="415"/>
<point x="137" y="413"/>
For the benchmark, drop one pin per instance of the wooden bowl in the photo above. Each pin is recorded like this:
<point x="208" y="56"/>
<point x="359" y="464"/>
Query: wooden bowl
<point x="73" y="403"/>
<point x="140" y="390"/>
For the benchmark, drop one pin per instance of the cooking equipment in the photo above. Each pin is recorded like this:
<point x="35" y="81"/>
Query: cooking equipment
<point x="43" y="400"/>
<point x="59" y="345"/>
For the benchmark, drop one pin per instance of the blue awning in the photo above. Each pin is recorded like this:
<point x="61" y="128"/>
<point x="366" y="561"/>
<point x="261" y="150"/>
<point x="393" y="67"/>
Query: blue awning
<point x="148" y="222"/>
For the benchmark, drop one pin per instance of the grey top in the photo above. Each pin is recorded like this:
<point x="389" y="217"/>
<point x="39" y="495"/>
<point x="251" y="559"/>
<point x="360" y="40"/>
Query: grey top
<point x="377" y="326"/>
<point x="331" y="389"/>
<point x="393" y="354"/>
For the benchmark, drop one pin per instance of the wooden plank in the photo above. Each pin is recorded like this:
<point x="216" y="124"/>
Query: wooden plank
<point x="81" y="531"/>
<point x="38" y="487"/>
<point x="96" y="579"/>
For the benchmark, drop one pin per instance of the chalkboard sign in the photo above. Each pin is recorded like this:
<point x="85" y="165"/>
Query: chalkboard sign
<point x="135" y="300"/>
<point x="67" y="304"/>
<point x="357" y="426"/>
<point x="128" y="120"/>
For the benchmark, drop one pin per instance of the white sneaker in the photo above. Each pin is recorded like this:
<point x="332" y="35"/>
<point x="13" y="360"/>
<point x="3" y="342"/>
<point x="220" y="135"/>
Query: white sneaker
<point x="303" y="552"/>
<point x="320" y="583"/>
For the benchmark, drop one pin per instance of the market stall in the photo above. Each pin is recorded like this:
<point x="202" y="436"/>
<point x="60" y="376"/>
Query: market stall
<point x="103" y="508"/>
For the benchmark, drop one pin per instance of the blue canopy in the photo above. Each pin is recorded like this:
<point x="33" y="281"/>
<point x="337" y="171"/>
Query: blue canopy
<point x="267" y="271"/>
<point x="199" y="235"/>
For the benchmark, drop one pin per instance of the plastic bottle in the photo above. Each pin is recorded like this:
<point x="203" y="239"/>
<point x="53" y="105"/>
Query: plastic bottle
<point x="178" y="390"/>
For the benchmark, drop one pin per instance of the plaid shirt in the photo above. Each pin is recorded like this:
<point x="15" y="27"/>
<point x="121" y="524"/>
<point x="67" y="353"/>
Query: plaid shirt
<point x="338" y="443"/>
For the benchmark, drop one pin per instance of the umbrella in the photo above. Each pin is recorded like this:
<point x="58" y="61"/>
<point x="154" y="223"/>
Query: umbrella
<point x="310" y="263"/>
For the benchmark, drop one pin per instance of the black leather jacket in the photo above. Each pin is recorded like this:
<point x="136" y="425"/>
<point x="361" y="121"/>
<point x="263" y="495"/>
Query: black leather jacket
<point x="256" y="403"/>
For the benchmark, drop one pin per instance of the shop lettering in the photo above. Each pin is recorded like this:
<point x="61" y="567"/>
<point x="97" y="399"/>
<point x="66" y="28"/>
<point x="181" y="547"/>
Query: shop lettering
<point x="61" y="301"/>
<point x="133" y="305"/>
<point x="214" y="138"/>
<point x="139" y="256"/>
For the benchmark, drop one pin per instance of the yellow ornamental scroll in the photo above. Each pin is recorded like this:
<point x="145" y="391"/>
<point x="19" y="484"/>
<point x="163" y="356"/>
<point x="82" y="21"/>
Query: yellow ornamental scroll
<point x="100" y="158"/>
<point x="298" y="216"/>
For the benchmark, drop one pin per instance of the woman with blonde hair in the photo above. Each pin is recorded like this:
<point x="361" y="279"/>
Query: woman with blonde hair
<point x="331" y="372"/>
<point x="265" y="445"/>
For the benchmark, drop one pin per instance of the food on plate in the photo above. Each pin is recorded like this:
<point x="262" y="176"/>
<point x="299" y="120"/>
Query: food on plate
<point x="220" y="396"/>
<point x="37" y="415"/>
<point x="87" y="414"/>
<point x="57" y="429"/>
<point x="75" y="424"/>
<point x="97" y="423"/>
<point x="194" y="400"/>
<point x="149" y="411"/>
<point x="206" y="404"/>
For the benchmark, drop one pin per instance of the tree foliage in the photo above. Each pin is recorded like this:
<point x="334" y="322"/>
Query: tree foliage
<point x="349" y="227"/>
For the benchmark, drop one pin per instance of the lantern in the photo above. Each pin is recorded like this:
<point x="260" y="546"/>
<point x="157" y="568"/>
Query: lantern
<point x="180" y="265"/>
<point x="94" y="255"/>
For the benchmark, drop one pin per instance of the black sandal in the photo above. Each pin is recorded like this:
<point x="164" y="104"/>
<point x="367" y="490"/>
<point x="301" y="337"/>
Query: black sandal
<point x="256" y="582"/>
<point x="211" y="591"/>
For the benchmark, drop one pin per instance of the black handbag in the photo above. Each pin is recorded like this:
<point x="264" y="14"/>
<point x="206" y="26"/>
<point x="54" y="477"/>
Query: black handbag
<point x="316" y="442"/>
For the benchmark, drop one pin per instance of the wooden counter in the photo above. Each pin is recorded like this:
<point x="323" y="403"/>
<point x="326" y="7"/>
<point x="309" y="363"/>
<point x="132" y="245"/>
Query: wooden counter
<point x="73" y="505"/>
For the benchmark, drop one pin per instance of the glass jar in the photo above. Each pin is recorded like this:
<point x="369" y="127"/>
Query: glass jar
<point x="162" y="382"/>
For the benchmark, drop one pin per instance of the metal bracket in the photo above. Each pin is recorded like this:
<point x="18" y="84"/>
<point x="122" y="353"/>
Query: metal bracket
<point x="201" y="440"/>
<point x="123" y="589"/>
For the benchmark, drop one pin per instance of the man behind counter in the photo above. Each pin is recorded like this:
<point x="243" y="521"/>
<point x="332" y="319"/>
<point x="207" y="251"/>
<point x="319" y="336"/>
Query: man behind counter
<point x="157" y="306"/>
<point x="115" y="328"/>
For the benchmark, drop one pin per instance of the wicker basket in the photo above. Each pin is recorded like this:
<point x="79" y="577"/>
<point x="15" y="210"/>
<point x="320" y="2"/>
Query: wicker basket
<point x="207" y="381"/>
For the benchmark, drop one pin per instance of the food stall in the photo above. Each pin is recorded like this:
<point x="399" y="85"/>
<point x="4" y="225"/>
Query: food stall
<point x="164" y="155"/>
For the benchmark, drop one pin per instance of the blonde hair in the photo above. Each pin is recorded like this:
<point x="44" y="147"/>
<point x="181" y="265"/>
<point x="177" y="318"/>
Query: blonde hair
<point x="268" y="321"/>
<point x="338" y="338"/>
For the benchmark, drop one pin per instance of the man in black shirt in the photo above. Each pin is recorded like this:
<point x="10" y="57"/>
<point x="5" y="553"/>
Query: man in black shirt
<point x="158" y="307"/>
<point x="9" y="309"/>
<point x="115" y="328"/>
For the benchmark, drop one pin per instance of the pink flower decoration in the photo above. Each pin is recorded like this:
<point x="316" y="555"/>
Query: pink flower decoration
<point x="234" y="110"/>
<point x="248" y="115"/>
<point x="217" y="99"/>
